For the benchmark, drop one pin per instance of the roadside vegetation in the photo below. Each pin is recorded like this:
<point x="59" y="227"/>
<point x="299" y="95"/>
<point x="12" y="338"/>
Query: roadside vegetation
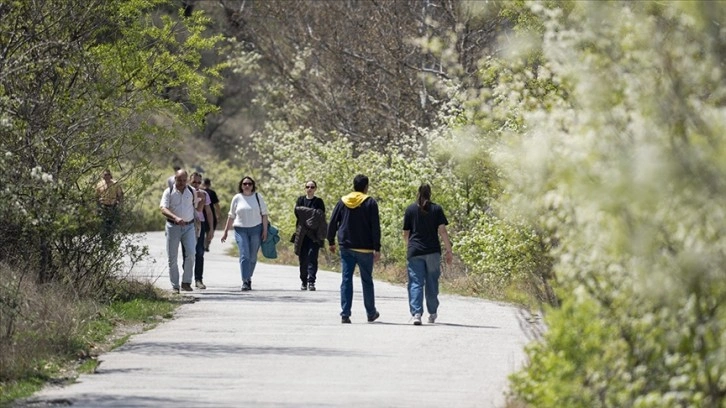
<point x="577" y="149"/>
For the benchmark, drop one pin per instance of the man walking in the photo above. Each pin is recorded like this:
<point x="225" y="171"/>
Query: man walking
<point x="205" y="215"/>
<point x="356" y="222"/>
<point x="177" y="205"/>
<point x="110" y="196"/>
<point x="216" y="211"/>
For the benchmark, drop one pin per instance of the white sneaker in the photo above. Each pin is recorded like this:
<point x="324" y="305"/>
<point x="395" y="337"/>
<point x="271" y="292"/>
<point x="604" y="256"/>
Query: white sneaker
<point x="417" y="320"/>
<point x="432" y="318"/>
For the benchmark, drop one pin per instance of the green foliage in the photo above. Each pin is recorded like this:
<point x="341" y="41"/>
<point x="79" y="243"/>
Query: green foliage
<point x="618" y="155"/>
<point x="293" y="157"/>
<point x="84" y="90"/>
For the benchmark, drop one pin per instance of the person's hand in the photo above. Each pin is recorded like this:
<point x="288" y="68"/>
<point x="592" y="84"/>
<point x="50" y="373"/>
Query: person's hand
<point x="332" y="248"/>
<point x="264" y="235"/>
<point x="448" y="256"/>
<point x="224" y="236"/>
<point x="376" y="256"/>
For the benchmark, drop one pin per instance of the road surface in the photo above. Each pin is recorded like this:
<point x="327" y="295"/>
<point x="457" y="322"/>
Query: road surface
<point x="277" y="346"/>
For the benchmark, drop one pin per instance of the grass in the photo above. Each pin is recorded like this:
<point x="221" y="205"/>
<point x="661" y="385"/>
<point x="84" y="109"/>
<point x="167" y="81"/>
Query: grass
<point x="110" y="327"/>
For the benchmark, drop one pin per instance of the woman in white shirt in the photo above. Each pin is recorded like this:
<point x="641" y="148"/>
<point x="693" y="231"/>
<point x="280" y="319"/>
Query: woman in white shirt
<point x="248" y="216"/>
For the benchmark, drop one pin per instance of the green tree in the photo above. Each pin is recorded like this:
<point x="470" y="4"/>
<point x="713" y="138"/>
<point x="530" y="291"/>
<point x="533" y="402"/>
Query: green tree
<point x="86" y="85"/>
<point x="620" y="157"/>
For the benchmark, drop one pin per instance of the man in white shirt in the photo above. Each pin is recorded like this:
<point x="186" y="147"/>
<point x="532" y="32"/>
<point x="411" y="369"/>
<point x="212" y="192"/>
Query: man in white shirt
<point x="177" y="205"/>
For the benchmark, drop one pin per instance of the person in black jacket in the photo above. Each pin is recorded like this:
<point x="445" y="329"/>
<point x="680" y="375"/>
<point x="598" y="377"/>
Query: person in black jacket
<point x="308" y="245"/>
<point x="357" y="224"/>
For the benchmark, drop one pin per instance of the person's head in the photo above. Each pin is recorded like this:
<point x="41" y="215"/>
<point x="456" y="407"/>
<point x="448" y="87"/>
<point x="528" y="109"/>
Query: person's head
<point x="423" y="199"/>
<point x="180" y="179"/>
<point x="310" y="187"/>
<point x="207" y="183"/>
<point x="247" y="185"/>
<point x="107" y="175"/>
<point x="176" y="168"/>
<point x="195" y="180"/>
<point x="360" y="183"/>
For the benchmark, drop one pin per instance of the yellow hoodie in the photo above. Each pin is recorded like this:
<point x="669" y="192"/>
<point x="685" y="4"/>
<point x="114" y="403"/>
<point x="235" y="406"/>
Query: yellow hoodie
<point x="354" y="199"/>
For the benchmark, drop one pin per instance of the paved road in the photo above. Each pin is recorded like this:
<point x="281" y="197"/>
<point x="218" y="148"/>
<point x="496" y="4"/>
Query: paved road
<point x="277" y="346"/>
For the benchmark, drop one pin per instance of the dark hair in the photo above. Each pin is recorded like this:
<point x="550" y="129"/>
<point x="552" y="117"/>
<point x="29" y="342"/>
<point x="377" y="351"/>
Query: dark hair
<point x="360" y="182"/>
<point x="207" y="182"/>
<point x="312" y="181"/>
<point x="176" y="168"/>
<point x="423" y="199"/>
<point x="254" y="185"/>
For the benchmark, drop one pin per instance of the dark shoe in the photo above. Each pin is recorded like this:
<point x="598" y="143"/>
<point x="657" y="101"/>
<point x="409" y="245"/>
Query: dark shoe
<point x="303" y="287"/>
<point x="374" y="317"/>
<point x="247" y="285"/>
<point x="187" y="287"/>
<point x="345" y="319"/>
<point x="311" y="287"/>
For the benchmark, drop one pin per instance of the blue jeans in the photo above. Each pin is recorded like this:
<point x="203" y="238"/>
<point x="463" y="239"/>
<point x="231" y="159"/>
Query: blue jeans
<point x="176" y="234"/>
<point x="248" y="244"/>
<point x="423" y="278"/>
<point x="308" y="259"/>
<point x="349" y="259"/>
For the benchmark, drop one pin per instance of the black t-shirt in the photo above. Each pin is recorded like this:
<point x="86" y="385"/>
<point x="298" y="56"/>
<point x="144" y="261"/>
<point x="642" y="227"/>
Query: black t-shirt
<point x="215" y="200"/>
<point x="315" y="202"/>
<point x="423" y="229"/>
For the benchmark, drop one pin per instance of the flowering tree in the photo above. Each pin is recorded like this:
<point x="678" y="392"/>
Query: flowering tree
<point x="621" y="157"/>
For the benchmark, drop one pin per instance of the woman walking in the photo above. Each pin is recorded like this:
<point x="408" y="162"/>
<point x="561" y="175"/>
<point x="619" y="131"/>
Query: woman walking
<point x="248" y="215"/>
<point x="423" y="223"/>
<point x="309" y="233"/>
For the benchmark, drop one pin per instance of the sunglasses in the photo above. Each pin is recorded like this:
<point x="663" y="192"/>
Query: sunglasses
<point x="310" y="187"/>
<point x="246" y="184"/>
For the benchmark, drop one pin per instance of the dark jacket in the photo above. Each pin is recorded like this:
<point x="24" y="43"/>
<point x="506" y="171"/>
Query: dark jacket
<point x="357" y="223"/>
<point x="311" y="224"/>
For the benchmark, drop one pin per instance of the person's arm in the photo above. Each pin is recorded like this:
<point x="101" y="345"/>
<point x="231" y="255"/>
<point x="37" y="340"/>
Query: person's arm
<point x="230" y="218"/>
<point x="376" y="225"/>
<point x="119" y="195"/>
<point x="227" y="226"/>
<point x="448" y="255"/>
<point x="406" y="234"/>
<point x="163" y="205"/>
<point x="333" y="227"/>
<point x="217" y="210"/>
<point x="208" y="218"/>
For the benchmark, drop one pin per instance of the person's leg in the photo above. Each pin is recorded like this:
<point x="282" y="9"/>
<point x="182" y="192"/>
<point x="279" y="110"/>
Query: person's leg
<point x="303" y="260"/>
<point x="243" y="246"/>
<point x="365" y="266"/>
<point x="189" y="241"/>
<point x="255" y="238"/>
<point x="313" y="262"/>
<point x="173" y="238"/>
<point x="199" y="253"/>
<point x="347" y="261"/>
<point x="433" y="271"/>
<point x="416" y="267"/>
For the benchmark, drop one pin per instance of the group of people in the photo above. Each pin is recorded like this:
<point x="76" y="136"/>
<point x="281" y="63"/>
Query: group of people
<point x="354" y="222"/>
<point x="192" y="212"/>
